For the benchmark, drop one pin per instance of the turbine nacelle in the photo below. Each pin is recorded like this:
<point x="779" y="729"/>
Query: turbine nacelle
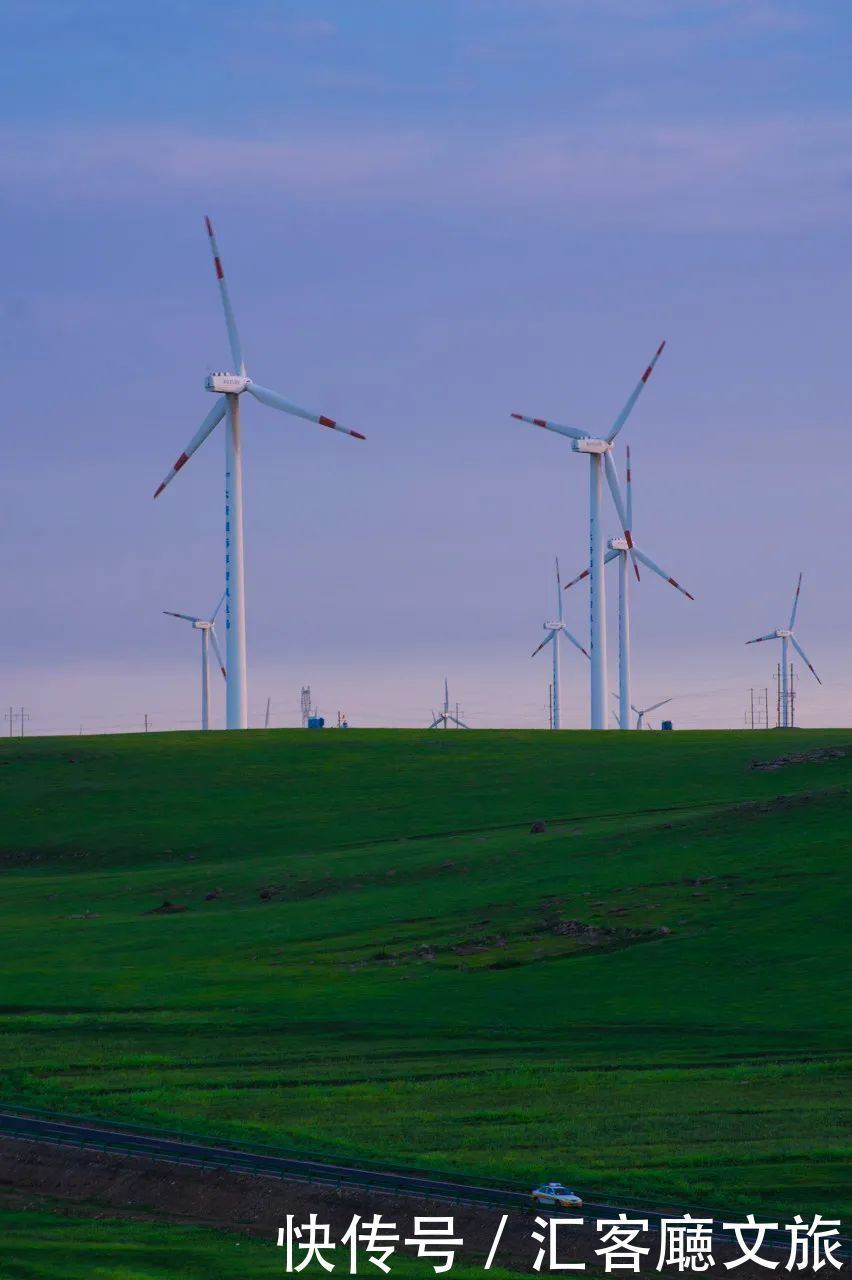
<point x="233" y="384"/>
<point x="783" y="633"/>
<point x="588" y="445"/>
<point x="618" y="544"/>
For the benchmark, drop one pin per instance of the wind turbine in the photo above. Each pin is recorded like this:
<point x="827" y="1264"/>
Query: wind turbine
<point x="228" y="387"/>
<point x="599" y="452"/>
<point x="644" y="711"/>
<point x="554" y="630"/>
<point x="617" y="547"/>
<point x="785" y="635"/>
<point x="207" y="627"/>
<point x="444" y="717"/>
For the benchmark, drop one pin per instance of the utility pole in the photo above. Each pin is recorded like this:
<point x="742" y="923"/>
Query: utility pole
<point x="266" y="717"/>
<point x="757" y="712"/>
<point x="306" y="705"/>
<point x="550" y="703"/>
<point x="146" y="721"/>
<point x="792" y="699"/>
<point x="12" y="715"/>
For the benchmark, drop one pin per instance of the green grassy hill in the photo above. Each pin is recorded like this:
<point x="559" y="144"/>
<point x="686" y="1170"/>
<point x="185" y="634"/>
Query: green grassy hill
<point x="650" y="997"/>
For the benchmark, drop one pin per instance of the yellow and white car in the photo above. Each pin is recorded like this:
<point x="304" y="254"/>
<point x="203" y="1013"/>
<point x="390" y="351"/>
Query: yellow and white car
<point x="553" y="1193"/>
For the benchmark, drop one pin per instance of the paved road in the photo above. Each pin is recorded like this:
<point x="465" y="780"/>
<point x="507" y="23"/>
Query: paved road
<point x="174" y="1150"/>
<point x="183" y="1151"/>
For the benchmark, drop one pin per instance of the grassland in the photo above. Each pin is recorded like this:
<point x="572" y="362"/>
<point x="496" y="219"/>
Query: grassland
<point x="48" y="1243"/>
<point x="651" y="997"/>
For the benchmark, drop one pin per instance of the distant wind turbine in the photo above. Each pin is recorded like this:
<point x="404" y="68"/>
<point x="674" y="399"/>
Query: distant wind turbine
<point x="599" y="452"/>
<point x="444" y="717"/>
<point x="554" y="631"/>
<point x="644" y="711"/>
<point x="207" y="627"/>
<point x="785" y="634"/>
<point x="228" y="387"/>
<point x="617" y="547"/>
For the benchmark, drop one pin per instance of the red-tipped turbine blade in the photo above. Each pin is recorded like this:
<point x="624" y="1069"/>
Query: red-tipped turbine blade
<point x="634" y="395"/>
<point x="573" y="433"/>
<point x="275" y="401"/>
<point x="661" y="573"/>
<point x="212" y="420"/>
<point x="230" y="322"/>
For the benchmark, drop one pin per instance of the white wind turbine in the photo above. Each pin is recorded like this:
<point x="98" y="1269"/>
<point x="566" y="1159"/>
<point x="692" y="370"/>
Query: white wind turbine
<point x="207" y="627"/>
<point x="599" y="452"/>
<point x="554" y="631"/>
<point x="228" y="387"/>
<point x="785" y="635"/>
<point x="445" y="717"/>
<point x="617" y="547"/>
<point x="642" y="712"/>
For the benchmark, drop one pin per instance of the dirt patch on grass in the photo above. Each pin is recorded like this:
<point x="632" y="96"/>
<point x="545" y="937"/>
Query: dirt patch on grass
<point x="800" y="757"/>
<point x="557" y="939"/>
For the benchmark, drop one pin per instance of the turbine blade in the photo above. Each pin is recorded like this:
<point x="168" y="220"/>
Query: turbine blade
<point x="218" y="652"/>
<point x="573" y="433"/>
<point x="574" y="641"/>
<point x="547" y="639"/>
<point x="275" y="401"/>
<point x="770" y="636"/>
<point x="218" y="606"/>
<point x="794" y="642"/>
<point x="460" y="723"/>
<point x="629" y="487"/>
<point x="558" y="589"/>
<point x="795" y="603"/>
<point x="615" y="490"/>
<point x="656" y="704"/>
<point x="634" y="396"/>
<point x="212" y="420"/>
<point x="187" y="617"/>
<point x="661" y="573"/>
<point x="230" y="322"/>
<point x="579" y="578"/>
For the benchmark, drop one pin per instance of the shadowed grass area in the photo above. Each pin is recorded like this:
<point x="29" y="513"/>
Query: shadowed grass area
<point x="650" y="997"/>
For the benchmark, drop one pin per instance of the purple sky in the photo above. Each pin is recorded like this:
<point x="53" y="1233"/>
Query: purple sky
<point x="430" y="214"/>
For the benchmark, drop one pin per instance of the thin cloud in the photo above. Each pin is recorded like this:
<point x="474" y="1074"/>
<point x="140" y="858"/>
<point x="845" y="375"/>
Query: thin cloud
<point x="725" y="176"/>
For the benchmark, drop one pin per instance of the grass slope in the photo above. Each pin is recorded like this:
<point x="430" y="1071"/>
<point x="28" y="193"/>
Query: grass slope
<point x="650" y="997"/>
<point x="45" y="1243"/>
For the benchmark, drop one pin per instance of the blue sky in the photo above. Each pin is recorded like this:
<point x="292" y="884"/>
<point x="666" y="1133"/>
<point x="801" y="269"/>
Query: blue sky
<point x="431" y="214"/>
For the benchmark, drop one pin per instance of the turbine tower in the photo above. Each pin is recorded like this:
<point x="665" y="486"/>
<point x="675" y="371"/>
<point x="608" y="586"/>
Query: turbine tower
<point x="617" y="547"/>
<point x="599" y="452"/>
<point x="554" y="631"/>
<point x="228" y="387"/>
<point x="207" y="627"/>
<point x="785" y="635"/>
<point x="445" y="717"/>
<point x="644" y="711"/>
